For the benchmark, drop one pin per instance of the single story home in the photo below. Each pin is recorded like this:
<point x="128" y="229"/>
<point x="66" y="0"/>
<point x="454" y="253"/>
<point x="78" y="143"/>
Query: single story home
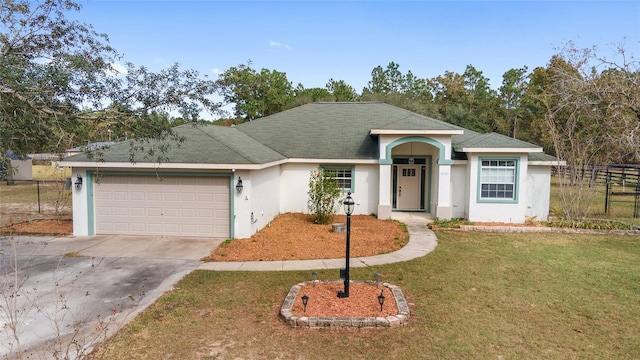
<point x="229" y="182"/>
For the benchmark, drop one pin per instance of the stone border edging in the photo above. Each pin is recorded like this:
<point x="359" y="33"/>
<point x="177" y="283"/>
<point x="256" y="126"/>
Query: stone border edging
<point x="542" y="229"/>
<point x="345" y="322"/>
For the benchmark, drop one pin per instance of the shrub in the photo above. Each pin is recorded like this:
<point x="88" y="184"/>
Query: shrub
<point x="448" y="223"/>
<point x="324" y="191"/>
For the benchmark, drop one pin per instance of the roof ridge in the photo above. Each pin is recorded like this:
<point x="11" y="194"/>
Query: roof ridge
<point x="221" y="140"/>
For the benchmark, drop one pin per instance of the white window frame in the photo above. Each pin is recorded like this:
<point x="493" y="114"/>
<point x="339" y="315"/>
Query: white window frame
<point x="343" y="174"/>
<point x="497" y="179"/>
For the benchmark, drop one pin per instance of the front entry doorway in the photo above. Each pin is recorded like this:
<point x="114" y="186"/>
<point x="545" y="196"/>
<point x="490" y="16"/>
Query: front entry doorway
<point x="409" y="179"/>
<point x="410" y="184"/>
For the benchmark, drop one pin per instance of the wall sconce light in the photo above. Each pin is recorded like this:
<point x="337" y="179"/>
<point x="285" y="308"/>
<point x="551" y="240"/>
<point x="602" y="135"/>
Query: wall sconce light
<point x="381" y="299"/>
<point x="239" y="185"/>
<point x="305" y="300"/>
<point x="78" y="182"/>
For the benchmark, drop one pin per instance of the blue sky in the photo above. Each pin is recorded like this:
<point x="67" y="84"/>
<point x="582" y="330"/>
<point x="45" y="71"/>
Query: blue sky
<point x="313" y="41"/>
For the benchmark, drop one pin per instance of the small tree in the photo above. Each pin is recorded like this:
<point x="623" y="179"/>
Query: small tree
<point x="324" y="191"/>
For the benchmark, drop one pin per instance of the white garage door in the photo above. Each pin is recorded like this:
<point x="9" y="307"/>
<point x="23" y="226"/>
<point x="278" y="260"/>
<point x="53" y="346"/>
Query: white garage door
<point x="170" y="205"/>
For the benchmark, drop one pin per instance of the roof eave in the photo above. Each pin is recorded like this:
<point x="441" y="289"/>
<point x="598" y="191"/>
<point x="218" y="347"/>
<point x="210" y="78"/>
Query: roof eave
<point x="548" y="163"/>
<point x="334" y="161"/>
<point x="415" y="132"/>
<point x="498" y="150"/>
<point x="177" y="166"/>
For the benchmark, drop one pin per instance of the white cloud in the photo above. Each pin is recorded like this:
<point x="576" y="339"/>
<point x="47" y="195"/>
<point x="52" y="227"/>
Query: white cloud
<point x="216" y="71"/>
<point x="117" y="69"/>
<point x="276" y="44"/>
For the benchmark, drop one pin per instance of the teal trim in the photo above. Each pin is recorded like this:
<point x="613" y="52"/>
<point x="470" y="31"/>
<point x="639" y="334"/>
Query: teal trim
<point x="353" y="174"/>
<point x="162" y="173"/>
<point x="422" y="183"/>
<point x="90" y="210"/>
<point x="232" y="207"/>
<point x="394" y="181"/>
<point x="442" y="160"/>
<point x="90" y="195"/>
<point x="430" y="164"/>
<point x="516" y="185"/>
<point x="385" y="161"/>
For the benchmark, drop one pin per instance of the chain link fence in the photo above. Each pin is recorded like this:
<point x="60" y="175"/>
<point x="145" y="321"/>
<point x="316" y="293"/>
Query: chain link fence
<point x="36" y="199"/>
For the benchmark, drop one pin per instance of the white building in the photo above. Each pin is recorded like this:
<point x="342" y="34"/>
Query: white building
<point x="390" y="159"/>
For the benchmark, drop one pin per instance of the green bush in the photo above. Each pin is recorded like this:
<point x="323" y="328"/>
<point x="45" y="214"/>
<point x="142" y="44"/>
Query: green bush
<point x="594" y="224"/>
<point x="324" y="192"/>
<point x="448" y="223"/>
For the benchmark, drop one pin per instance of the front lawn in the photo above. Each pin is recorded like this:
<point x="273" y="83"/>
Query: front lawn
<point x="478" y="295"/>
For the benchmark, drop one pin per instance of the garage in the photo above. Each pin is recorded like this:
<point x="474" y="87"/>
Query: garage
<point x="162" y="205"/>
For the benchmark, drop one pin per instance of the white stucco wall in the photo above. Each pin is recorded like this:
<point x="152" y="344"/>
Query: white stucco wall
<point x="294" y="186"/>
<point x="80" y="203"/>
<point x="538" y="192"/>
<point x="459" y="189"/>
<point x="497" y="211"/>
<point x="366" y="189"/>
<point x="260" y="196"/>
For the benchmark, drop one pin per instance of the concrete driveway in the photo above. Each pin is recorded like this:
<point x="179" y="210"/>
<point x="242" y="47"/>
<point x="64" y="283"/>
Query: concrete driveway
<point x="82" y="289"/>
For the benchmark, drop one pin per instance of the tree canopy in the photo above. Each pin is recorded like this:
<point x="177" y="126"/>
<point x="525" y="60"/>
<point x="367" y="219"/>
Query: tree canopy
<point x="59" y="86"/>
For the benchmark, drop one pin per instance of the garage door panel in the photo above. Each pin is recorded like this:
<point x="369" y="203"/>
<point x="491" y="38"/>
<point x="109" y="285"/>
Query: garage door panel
<point x="121" y="211"/>
<point x="222" y="198"/>
<point x="144" y="205"/>
<point x="171" y="228"/>
<point x="205" y="213"/>
<point x="171" y="213"/>
<point x="125" y="226"/>
<point x="188" y="196"/>
<point x="205" y="228"/>
<point x="136" y="195"/>
<point x="187" y="213"/>
<point x="189" y="228"/>
<point x="171" y="196"/>
<point x="137" y="211"/>
<point x="104" y="211"/>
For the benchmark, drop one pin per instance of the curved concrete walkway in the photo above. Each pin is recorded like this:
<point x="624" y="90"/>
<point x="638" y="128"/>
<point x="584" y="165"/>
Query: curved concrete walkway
<point x="421" y="242"/>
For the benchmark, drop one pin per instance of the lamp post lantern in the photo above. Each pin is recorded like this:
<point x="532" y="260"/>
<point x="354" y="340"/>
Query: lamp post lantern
<point x="348" y="209"/>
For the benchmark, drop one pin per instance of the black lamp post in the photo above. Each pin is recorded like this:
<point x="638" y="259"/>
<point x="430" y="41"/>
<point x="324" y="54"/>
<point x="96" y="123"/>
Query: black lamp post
<point x="381" y="299"/>
<point x="305" y="301"/>
<point x="348" y="209"/>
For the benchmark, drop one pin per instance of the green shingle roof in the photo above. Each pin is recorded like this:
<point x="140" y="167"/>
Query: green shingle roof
<point x="312" y="131"/>
<point x="472" y="139"/>
<point x="335" y="130"/>
<point x="541" y="157"/>
<point x="203" y="144"/>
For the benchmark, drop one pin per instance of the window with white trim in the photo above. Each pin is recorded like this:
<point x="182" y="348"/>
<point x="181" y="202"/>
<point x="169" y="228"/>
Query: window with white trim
<point x="344" y="175"/>
<point x="498" y="179"/>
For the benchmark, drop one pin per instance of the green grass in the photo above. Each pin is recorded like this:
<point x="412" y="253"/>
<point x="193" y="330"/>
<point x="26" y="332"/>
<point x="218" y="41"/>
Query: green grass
<point x="478" y="295"/>
<point x="621" y="207"/>
<point x="49" y="172"/>
<point x="19" y="202"/>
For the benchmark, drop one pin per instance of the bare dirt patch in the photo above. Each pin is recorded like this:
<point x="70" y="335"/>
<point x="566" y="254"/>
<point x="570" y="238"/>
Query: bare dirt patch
<point x="294" y="236"/>
<point x="39" y="226"/>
